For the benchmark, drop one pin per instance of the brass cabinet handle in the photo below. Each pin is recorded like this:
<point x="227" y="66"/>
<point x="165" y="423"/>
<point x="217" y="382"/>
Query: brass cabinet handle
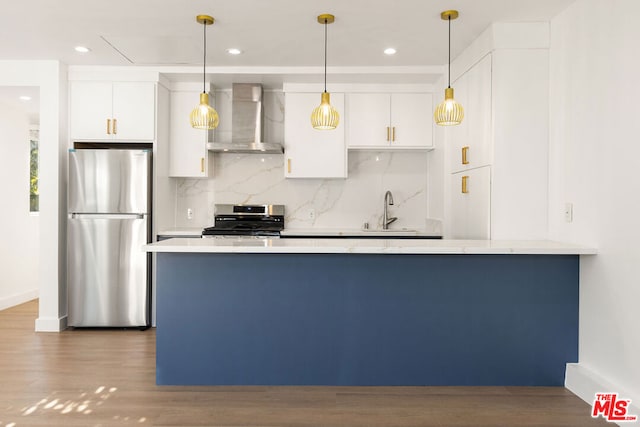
<point x="465" y="188"/>
<point x="288" y="165"/>
<point x="388" y="133"/>
<point x="465" y="151"/>
<point x="108" y="126"/>
<point x="202" y="164"/>
<point x="393" y="133"/>
<point x="115" y="126"/>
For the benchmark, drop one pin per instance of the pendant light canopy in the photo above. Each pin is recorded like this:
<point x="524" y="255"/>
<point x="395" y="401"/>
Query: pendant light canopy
<point x="324" y="116"/>
<point x="203" y="116"/>
<point x="449" y="112"/>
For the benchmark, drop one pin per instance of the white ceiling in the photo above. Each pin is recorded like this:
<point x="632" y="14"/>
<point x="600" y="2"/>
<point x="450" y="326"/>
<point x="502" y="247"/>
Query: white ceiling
<point x="270" y="32"/>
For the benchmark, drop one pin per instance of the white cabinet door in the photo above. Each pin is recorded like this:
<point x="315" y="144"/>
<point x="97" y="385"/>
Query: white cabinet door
<point x="411" y="120"/>
<point x="188" y="155"/>
<point x="471" y="140"/>
<point x="459" y="134"/>
<point x="471" y="204"/>
<point x="134" y="111"/>
<point x="479" y="113"/>
<point x="122" y="111"/>
<point x="90" y="108"/>
<point x="368" y="120"/>
<point x="311" y="153"/>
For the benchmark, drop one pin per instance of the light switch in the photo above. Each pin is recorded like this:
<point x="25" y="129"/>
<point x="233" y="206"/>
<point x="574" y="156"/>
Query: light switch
<point x="568" y="212"/>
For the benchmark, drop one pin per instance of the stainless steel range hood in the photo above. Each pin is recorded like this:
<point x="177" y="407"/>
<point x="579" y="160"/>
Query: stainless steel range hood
<point x="247" y="121"/>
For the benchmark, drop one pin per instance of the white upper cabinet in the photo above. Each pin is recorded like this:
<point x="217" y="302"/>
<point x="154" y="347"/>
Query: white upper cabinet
<point x="369" y="119"/>
<point x="311" y="153"/>
<point x="411" y="120"/>
<point x="188" y="154"/>
<point x="108" y="111"/>
<point x="91" y="107"/>
<point x="134" y="109"/>
<point x="390" y="120"/>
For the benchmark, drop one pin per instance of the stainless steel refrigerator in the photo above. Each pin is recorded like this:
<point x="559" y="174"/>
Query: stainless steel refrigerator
<point x="108" y="223"/>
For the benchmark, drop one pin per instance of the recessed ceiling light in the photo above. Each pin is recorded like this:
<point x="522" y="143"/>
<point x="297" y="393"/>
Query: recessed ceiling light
<point x="82" y="49"/>
<point x="25" y="98"/>
<point x="234" y="51"/>
<point x="390" y="51"/>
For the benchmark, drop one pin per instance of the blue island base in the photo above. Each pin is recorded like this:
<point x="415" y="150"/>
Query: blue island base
<point x="345" y="319"/>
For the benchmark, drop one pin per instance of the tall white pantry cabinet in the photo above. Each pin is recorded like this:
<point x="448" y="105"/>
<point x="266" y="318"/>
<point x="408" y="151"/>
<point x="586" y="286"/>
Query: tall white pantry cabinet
<point x="496" y="160"/>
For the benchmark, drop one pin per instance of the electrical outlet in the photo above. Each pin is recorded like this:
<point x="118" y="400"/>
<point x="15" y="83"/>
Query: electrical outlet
<point x="189" y="213"/>
<point x="568" y="212"/>
<point x="312" y="214"/>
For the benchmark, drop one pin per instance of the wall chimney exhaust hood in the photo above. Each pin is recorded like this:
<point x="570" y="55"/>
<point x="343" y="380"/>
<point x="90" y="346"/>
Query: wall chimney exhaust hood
<point x="247" y="121"/>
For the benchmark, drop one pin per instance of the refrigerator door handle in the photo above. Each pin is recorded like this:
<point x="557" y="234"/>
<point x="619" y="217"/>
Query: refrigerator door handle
<point x="106" y="216"/>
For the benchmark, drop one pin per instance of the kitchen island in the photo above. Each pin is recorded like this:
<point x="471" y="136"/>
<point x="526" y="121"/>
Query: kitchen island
<point x="365" y="311"/>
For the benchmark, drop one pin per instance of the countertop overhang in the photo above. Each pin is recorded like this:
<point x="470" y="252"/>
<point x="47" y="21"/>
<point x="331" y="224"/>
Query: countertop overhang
<point x="368" y="246"/>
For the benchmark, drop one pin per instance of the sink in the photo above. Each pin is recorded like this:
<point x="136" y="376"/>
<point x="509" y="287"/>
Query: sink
<point x="391" y="231"/>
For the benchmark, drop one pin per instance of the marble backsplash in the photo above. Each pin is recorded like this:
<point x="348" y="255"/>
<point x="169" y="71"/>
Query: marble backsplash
<point x="310" y="203"/>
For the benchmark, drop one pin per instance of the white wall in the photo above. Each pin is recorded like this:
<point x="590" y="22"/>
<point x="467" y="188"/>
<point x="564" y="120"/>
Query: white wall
<point x="51" y="78"/>
<point x="19" y="254"/>
<point x="594" y="152"/>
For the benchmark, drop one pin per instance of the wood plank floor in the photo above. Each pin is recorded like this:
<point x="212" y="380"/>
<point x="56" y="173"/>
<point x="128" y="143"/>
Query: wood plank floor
<point x="107" y="378"/>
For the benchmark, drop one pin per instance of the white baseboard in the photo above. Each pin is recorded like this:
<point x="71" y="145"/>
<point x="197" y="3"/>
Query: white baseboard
<point x="51" y="324"/>
<point x="17" y="299"/>
<point x="585" y="383"/>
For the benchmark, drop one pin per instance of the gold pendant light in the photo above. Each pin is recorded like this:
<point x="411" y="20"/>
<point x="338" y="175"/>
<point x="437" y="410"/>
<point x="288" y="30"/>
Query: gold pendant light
<point x="449" y="112"/>
<point x="324" y="116"/>
<point x="203" y="116"/>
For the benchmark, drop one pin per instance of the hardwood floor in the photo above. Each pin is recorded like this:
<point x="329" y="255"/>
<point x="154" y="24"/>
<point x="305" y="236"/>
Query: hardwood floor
<point x="107" y="378"/>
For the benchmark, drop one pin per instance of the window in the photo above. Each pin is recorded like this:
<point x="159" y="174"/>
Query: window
<point x="34" y="200"/>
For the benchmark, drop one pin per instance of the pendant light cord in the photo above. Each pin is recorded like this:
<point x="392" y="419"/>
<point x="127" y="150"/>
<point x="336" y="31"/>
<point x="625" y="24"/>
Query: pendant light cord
<point x="325" y="55"/>
<point x="204" y="62"/>
<point x="449" y="77"/>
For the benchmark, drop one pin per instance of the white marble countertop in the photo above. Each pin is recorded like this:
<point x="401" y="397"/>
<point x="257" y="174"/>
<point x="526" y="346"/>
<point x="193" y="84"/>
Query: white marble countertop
<point x="367" y="246"/>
